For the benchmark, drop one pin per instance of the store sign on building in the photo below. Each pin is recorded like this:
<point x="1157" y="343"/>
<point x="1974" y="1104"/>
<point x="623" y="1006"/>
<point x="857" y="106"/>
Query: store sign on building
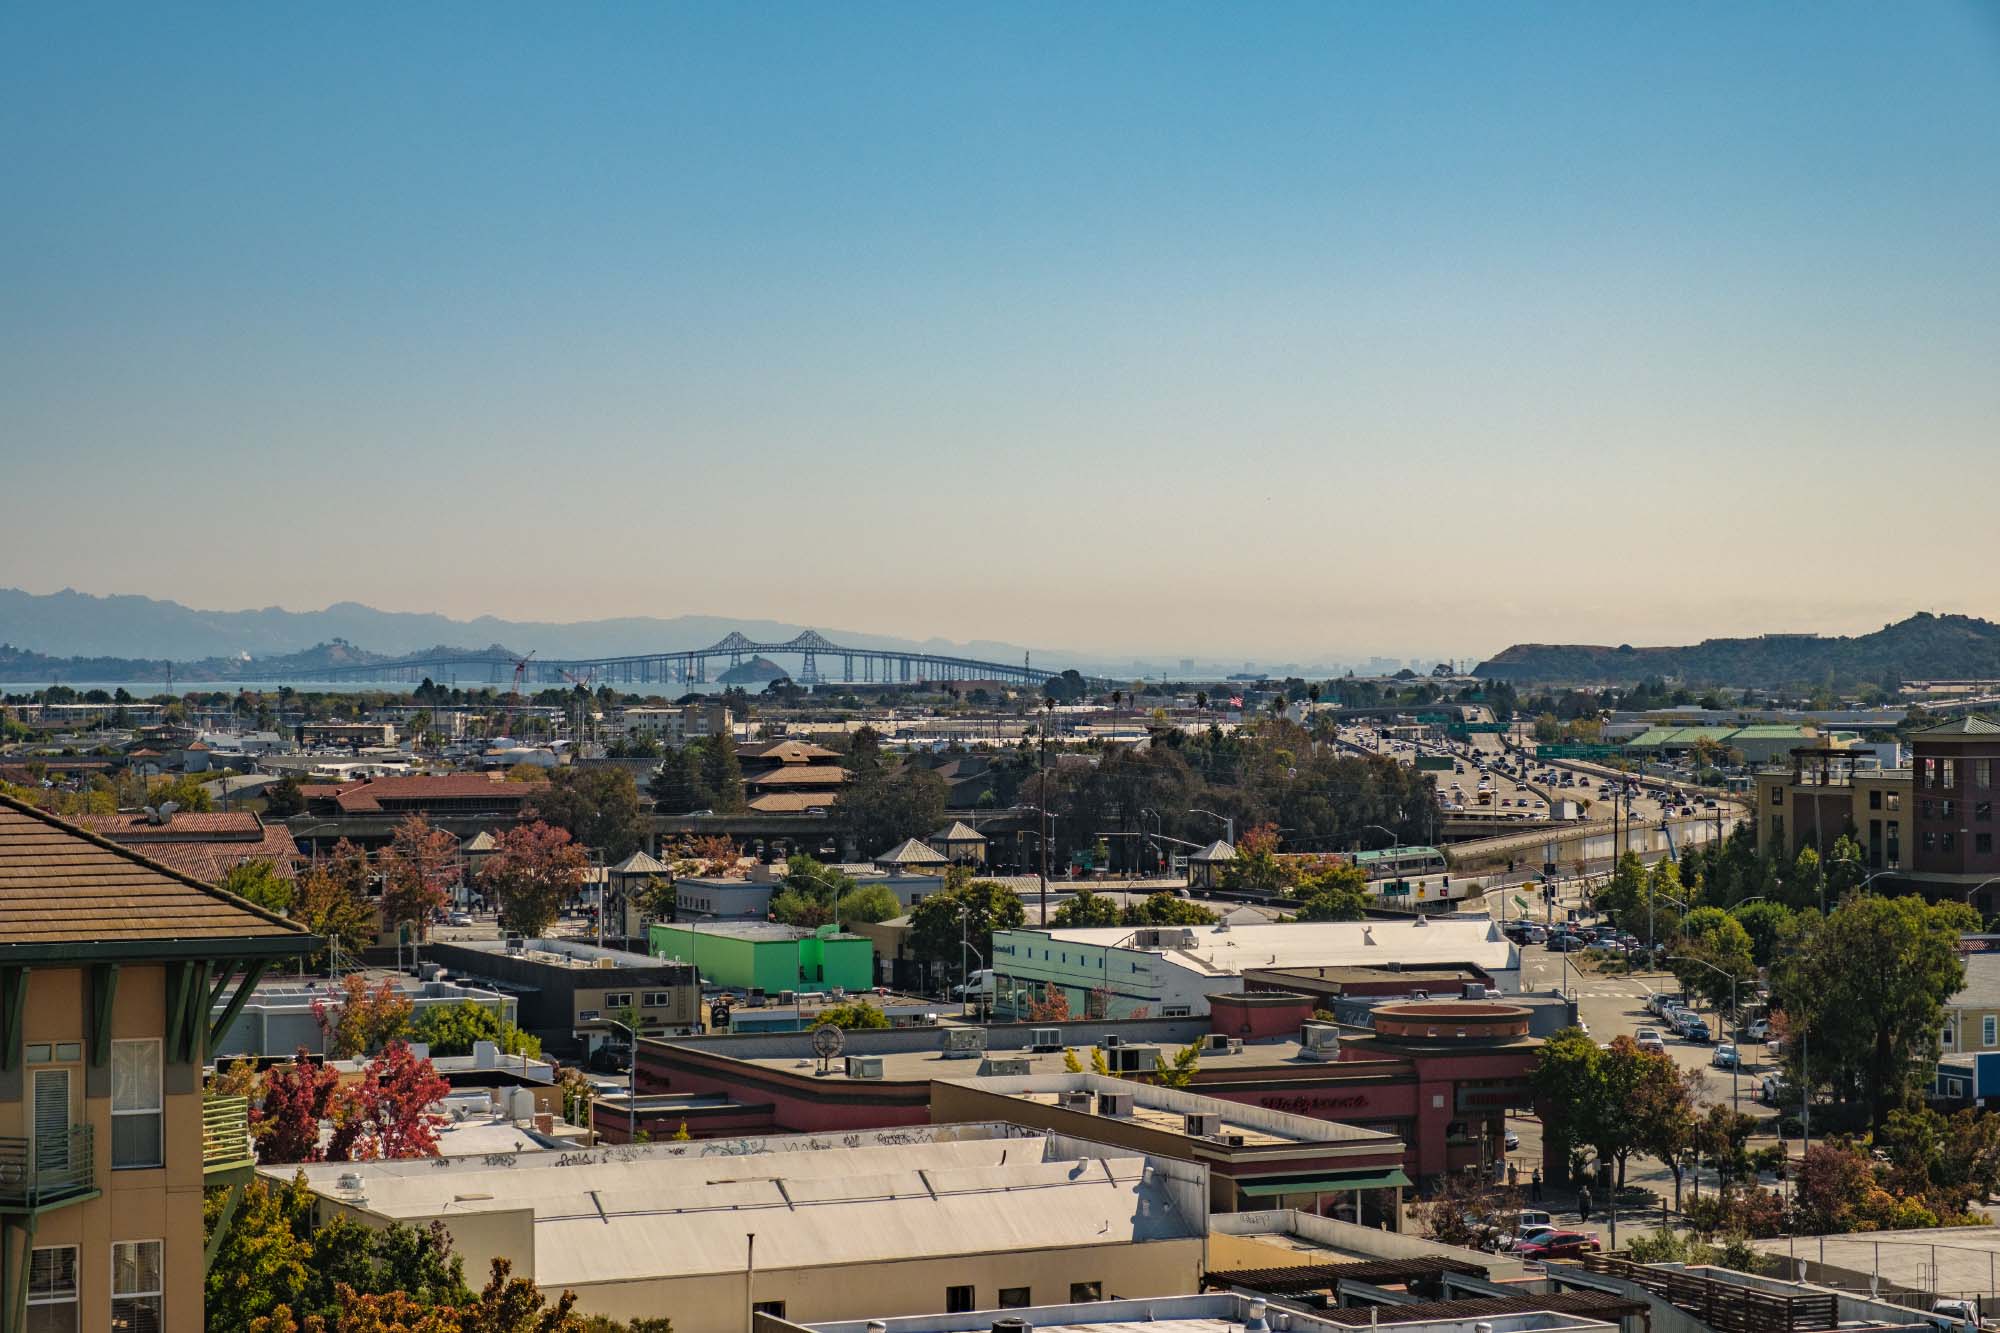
<point x="1495" y="1097"/>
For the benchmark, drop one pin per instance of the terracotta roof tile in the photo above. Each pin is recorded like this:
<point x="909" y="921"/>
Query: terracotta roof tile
<point x="60" y="884"/>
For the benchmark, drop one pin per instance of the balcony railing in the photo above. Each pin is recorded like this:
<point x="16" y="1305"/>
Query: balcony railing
<point x="225" y="1134"/>
<point x="47" y="1169"/>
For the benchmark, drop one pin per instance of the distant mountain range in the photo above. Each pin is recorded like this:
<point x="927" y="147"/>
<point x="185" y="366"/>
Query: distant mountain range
<point x="85" y="636"/>
<point x="1924" y="647"/>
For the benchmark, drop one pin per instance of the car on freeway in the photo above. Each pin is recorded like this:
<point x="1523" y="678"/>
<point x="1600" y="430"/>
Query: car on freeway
<point x="1561" y="1245"/>
<point x="1725" y="1056"/>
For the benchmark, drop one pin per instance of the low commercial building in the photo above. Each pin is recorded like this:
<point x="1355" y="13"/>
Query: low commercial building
<point x="564" y="989"/>
<point x="346" y="735"/>
<point x="278" y="1016"/>
<point x="1256" y="1158"/>
<point x="749" y="955"/>
<point x="672" y="725"/>
<point x="1172" y="971"/>
<point x="951" y="1216"/>
<point x="1437" y="1075"/>
<point x="1232" y="1312"/>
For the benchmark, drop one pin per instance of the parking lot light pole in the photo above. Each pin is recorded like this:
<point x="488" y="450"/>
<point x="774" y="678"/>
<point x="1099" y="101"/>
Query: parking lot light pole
<point x="1736" y="1065"/>
<point x="631" y="1080"/>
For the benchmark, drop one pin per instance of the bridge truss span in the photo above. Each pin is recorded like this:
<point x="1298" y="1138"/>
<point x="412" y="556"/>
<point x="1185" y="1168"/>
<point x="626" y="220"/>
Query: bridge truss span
<point x="820" y="661"/>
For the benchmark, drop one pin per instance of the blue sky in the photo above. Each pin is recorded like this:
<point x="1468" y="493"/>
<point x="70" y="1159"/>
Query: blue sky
<point x="1275" y="329"/>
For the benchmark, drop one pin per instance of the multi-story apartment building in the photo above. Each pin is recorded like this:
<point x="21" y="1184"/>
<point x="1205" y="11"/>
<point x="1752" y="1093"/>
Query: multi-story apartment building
<point x="1931" y="823"/>
<point x="108" y="963"/>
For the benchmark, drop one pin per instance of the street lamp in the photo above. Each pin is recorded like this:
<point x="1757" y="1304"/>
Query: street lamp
<point x="631" y="1080"/>
<point x="1735" y="1092"/>
<point x="1229" y="822"/>
<point x="965" y="944"/>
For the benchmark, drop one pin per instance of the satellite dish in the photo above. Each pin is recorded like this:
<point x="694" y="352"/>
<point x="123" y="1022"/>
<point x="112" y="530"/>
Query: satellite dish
<point x="828" y="1041"/>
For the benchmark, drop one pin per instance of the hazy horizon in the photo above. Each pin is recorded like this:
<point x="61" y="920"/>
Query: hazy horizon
<point x="1298" y="332"/>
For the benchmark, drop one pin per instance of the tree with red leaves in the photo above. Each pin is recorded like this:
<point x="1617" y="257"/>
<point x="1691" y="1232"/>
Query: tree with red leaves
<point x="389" y="1114"/>
<point x="533" y="870"/>
<point x="297" y="1097"/>
<point x="364" y="1020"/>
<point x="418" y="868"/>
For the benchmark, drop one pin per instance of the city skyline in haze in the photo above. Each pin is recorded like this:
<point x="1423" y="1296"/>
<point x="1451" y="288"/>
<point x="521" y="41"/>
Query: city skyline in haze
<point x="1297" y="332"/>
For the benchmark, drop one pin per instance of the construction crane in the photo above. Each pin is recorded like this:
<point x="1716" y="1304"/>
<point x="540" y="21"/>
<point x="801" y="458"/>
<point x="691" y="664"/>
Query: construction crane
<point x="515" y="699"/>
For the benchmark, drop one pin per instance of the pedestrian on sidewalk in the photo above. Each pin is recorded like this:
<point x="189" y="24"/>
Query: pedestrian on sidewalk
<point x="1513" y="1176"/>
<point x="1583" y="1204"/>
<point x="1535" y="1186"/>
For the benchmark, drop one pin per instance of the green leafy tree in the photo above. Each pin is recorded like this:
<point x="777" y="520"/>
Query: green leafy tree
<point x="452" y="1029"/>
<point x="258" y="881"/>
<point x="792" y="908"/>
<point x="721" y="774"/>
<point x="1765" y="923"/>
<point x="1086" y="909"/>
<point x="1166" y="909"/>
<point x="853" y="1015"/>
<point x="868" y="903"/>
<point x="1806" y="885"/>
<point x="284" y="798"/>
<point x="1714" y="937"/>
<point x="981" y="905"/>
<point x="1569" y="1080"/>
<point x="598" y="806"/>
<point x="1867" y="987"/>
<point x="883" y="805"/>
<point x="676" y="783"/>
<point x="1180" y="1071"/>
<point x="1336" y="892"/>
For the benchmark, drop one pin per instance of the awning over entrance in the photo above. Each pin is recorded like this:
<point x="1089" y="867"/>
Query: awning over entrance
<point x="1350" y="1180"/>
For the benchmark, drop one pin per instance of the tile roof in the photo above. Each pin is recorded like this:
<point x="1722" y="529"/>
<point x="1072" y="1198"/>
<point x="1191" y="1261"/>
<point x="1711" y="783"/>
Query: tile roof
<point x="1963" y="726"/>
<point x="815" y="775"/>
<point x="960" y="831"/>
<point x="64" y="886"/>
<point x="785" y="752"/>
<point x="402" y="792"/>
<point x="912" y="853"/>
<point x="205" y="846"/>
<point x="791" y="802"/>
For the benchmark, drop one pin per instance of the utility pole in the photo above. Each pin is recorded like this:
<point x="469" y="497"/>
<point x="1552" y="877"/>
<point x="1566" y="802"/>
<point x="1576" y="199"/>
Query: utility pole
<point x="1048" y="718"/>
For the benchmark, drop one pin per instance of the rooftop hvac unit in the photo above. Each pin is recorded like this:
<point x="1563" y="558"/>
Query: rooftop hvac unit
<point x="1163" y="937"/>
<point x="1201" y="1124"/>
<point x="1115" y="1104"/>
<point x="788" y="997"/>
<point x="864" y="1066"/>
<point x="1010" y="1067"/>
<point x="1214" y="1041"/>
<point x="1112" y="1041"/>
<point x="1045" y="1039"/>
<point x="1319" y="1041"/>
<point x="1075" y="1101"/>
<point x="1235" y="1046"/>
<point x="1230" y="1140"/>
<point x="964" y="1043"/>
<point x="604" y="962"/>
<point x="1133" y="1059"/>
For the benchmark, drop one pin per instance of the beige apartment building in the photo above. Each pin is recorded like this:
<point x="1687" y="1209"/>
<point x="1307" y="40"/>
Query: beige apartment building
<point x="109" y="963"/>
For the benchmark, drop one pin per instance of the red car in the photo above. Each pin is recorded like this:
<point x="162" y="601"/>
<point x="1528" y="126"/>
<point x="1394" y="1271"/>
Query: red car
<point x="1561" y="1245"/>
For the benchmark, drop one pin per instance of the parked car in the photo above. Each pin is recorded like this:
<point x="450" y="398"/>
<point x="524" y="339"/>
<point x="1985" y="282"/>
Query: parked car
<point x="1775" y="1091"/>
<point x="1561" y="1245"/>
<point x="1531" y="1233"/>
<point x="1512" y="1140"/>
<point x="460" y="919"/>
<point x="1725" y="1056"/>
<point x="1697" y="1032"/>
<point x="1565" y="943"/>
<point x="1757" y="1029"/>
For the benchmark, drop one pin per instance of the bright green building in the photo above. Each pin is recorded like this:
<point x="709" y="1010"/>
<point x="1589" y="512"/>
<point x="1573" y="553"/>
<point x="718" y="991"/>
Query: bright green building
<point x="761" y="955"/>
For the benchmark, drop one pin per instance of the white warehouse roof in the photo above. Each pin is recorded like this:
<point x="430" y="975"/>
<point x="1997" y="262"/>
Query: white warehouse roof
<point x="1227" y="952"/>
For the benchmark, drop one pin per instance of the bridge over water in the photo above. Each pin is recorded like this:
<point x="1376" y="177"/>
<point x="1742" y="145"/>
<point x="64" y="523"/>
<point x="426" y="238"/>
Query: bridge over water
<point x="820" y="661"/>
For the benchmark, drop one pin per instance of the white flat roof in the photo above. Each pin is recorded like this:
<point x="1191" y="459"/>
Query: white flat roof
<point x="1322" y="944"/>
<point x="666" y="1210"/>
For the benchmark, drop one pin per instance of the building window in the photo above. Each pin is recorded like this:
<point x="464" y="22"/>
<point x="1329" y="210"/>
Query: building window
<point x="1947" y="809"/>
<point x="136" y="1305"/>
<point x="1950" y="1035"/>
<point x="1927" y="808"/>
<point x="1982" y="772"/>
<point x="1989" y="1030"/>
<point x="1875" y="800"/>
<point x="1895" y="800"/>
<point x="658" y="999"/>
<point x="1947" y="842"/>
<point x="1949" y="774"/>
<point x="1777" y="796"/>
<point x="775" y="1309"/>
<point x="1982" y="812"/>
<point x="1080" y="1292"/>
<point x="618" y="999"/>
<point x="957" y="1300"/>
<point x="1016" y="1298"/>
<point x="52" y="1290"/>
<point x="1174" y="1011"/>
<point x="1982" y="843"/>
<point x="135" y="1103"/>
